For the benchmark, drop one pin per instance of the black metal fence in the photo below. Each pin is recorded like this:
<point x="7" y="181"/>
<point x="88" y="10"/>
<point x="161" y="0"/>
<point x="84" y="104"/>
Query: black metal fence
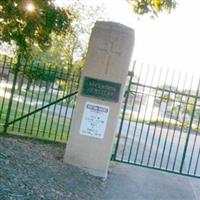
<point x="160" y="122"/>
<point x="36" y="100"/>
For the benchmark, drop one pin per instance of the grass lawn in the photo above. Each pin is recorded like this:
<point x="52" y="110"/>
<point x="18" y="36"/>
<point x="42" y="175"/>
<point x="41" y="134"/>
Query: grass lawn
<point x="39" y="95"/>
<point x="44" y="124"/>
<point x="50" y="125"/>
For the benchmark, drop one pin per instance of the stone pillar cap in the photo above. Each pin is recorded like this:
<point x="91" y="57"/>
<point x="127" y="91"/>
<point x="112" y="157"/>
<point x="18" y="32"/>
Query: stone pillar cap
<point x="114" y="26"/>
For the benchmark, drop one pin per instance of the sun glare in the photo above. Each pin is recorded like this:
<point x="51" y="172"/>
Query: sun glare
<point x="30" y="7"/>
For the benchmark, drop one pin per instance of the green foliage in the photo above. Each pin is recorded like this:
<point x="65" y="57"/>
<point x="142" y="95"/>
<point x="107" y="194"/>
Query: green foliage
<point x="35" y="72"/>
<point x="38" y="72"/>
<point x="30" y="22"/>
<point x="69" y="51"/>
<point x="60" y="53"/>
<point x="152" y="6"/>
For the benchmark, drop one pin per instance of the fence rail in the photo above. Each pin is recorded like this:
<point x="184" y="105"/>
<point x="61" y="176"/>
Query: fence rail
<point x="36" y="100"/>
<point x="160" y="122"/>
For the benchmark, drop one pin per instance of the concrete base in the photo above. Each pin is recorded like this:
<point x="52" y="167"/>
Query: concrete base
<point x="93" y="172"/>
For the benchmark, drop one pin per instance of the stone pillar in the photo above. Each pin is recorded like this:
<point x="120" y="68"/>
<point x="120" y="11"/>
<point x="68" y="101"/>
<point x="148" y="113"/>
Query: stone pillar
<point x="100" y="94"/>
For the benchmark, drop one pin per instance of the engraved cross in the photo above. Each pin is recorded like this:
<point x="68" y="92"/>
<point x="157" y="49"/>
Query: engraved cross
<point x="110" y="51"/>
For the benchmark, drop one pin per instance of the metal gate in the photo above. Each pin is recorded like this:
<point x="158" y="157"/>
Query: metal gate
<point x="160" y="121"/>
<point x="36" y="100"/>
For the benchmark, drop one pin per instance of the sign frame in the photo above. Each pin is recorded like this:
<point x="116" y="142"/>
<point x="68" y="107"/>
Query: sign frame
<point x="101" y="89"/>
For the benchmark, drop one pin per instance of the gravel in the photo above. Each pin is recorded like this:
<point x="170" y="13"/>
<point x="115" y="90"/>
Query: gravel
<point x="31" y="169"/>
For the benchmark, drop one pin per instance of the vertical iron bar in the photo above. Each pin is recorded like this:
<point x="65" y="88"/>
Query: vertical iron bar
<point x="168" y="126"/>
<point x="149" y="126"/>
<point x="19" y="94"/>
<point x="132" y="110"/>
<point x="123" y="113"/>
<point x="67" y="105"/>
<point x="138" y="115"/>
<point x="144" y="117"/>
<point x="6" y="88"/>
<point x="12" y="94"/>
<point x="54" y="109"/>
<point x="32" y="97"/>
<point x="3" y="67"/>
<point x="182" y="126"/>
<point x="162" y="124"/>
<point x="194" y="144"/>
<point x="154" y="132"/>
<point x="66" y="111"/>
<point x="177" y="117"/>
<point x="70" y="121"/>
<point x="37" y="99"/>
<point x="195" y="170"/>
<point x="43" y="103"/>
<point x="47" y="112"/>
<point x="67" y="78"/>
<point x="60" y="109"/>
<point x="25" y="98"/>
<point x="190" y="128"/>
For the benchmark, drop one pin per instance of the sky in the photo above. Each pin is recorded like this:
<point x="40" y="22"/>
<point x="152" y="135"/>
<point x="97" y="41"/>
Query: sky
<point x="171" y="40"/>
<point x="168" y="41"/>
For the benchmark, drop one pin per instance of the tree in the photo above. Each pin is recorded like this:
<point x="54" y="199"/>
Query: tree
<point x="152" y="6"/>
<point x="66" y="50"/>
<point x="59" y="54"/>
<point x="32" y="22"/>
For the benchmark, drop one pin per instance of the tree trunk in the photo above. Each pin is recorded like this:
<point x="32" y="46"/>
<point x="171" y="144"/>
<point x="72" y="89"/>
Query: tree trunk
<point x="20" y="81"/>
<point x="29" y="84"/>
<point x="48" y="86"/>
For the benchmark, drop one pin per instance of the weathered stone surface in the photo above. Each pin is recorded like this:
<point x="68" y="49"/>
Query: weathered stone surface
<point x="108" y="59"/>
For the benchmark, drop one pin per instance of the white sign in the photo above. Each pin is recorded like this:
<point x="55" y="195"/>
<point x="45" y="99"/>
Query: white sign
<point x="94" y="120"/>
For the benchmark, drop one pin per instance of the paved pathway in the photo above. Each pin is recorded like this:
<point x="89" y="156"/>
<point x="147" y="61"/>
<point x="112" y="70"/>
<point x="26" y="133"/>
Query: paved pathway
<point x="127" y="182"/>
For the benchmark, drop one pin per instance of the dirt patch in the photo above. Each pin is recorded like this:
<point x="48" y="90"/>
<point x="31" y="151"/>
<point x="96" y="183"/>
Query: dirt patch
<point x="31" y="169"/>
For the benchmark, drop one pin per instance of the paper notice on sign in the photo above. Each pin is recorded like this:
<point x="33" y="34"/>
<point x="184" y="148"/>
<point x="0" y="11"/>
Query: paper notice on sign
<point x="94" y="120"/>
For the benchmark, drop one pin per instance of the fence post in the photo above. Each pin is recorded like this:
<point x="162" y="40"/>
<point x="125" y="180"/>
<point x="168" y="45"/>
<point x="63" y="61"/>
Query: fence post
<point x="190" y="128"/>
<point x="12" y="94"/>
<point x="123" y="112"/>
